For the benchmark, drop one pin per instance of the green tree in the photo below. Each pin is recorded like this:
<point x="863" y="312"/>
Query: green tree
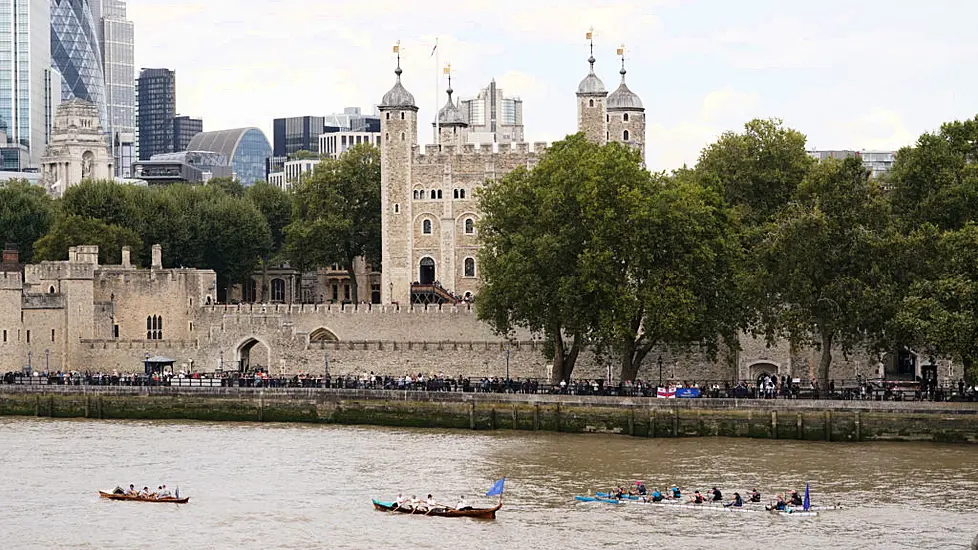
<point x="104" y="200"/>
<point x="824" y="265"/>
<point x="336" y="215"/>
<point x="662" y="253"/>
<point x="533" y="236"/>
<point x="231" y="186"/>
<point x="235" y="238"/>
<point x="756" y="171"/>
<point x="76" y="230"/>
<point x="275" y="204"/>
<point x="26" y="214"/>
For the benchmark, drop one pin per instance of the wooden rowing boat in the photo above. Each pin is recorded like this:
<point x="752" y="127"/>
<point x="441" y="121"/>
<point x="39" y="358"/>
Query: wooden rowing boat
<point x="484" y="513"/>
<point x="113" y="496"/>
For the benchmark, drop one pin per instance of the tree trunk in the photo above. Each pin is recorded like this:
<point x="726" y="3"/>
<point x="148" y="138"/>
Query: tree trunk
<point x="351" y="273"/>
<point x="564" y="359"/>
<point x="824" y="362"/>
<point x="970" y="373"/>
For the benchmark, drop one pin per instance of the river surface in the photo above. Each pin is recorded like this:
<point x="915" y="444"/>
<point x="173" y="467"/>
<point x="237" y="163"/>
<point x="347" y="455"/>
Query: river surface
<point x="307" y="486"/>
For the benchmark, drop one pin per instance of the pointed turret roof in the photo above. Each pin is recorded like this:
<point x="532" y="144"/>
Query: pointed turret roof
<point x="398" y="96"/>
<point x="624" y="99"/>
<point x="449" y="114"/>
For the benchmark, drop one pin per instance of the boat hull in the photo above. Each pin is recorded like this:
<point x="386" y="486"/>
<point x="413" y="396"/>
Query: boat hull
<point x="171" y="500"/>
<point x="483" y="513"/>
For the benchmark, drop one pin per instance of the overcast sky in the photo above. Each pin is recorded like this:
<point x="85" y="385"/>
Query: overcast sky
<point x="856" y="74"/>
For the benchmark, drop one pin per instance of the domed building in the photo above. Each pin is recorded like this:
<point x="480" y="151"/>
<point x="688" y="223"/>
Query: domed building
<point x="626" y="115"/>
<point x="246" y="151"/>
<point x="77" y="150"/>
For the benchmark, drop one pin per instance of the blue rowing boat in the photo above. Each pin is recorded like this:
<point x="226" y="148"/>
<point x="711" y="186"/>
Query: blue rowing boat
<point x="598" y="499"/>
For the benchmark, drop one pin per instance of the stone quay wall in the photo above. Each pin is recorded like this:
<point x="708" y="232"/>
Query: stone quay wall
<point x="641" y="417"/>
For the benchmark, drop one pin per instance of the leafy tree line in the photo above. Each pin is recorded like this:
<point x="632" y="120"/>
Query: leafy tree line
<point x="331" y="216"/>
<point x="590" y="249"/>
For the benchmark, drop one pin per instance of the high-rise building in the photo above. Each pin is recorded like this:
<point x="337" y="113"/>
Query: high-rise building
<point x="353" y="120"/>
<point x="493" y="117"/>
<point x="184" y="130"/>
<point x="156" y="94"/>
<point x="878" y="163"/>
<point x="294" y="134"/>
<point x="115" y="35"/>
<point x="26" y="110"/>
<point x="246" y="149"/>
<point x="76" y="52"/>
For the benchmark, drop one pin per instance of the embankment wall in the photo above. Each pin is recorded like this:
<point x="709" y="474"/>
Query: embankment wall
<point x="640" y="417"/>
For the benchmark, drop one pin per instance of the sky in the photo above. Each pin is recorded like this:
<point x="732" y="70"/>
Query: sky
<point x="856" y="74"/>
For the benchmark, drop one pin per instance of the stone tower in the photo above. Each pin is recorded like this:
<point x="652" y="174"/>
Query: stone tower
<point x="626" y="115"/>
<point x="452" y="128"/>
<point x="77" y="150"/>
<point x="399" y="130"/>
<point x="591" y="110"/>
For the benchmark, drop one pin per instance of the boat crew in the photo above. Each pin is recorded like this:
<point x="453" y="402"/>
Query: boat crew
<point x="717" y="496"/>
<point x="796" y="499"/>
<point x="162" y="493"/>
<point x="618" y="492"/>
<point x="132" y="490"/>
<point x="737" y="502"/>
<point x="430" y="503"/>
<point x="697" y="498"/>
<point x="415" y="502"/>
<point x="640" y="488"/>
<point x="755" y="496"/>
<point x="144" y="493"/>
<point x="461" y="504"/>
<point x="656" y="495"/>
<point x="676" y="493"/>
<point x="399" y="501"/>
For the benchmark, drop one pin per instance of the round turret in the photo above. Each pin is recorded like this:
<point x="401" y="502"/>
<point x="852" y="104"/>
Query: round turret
<point x="449" y="114"/>
<point x="591" y="85"/>
<point x="624" y="99"/>
<point x="398" y="96"/>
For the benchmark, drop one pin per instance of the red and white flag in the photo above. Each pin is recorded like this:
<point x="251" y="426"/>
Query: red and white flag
<point x="666" y="393"/>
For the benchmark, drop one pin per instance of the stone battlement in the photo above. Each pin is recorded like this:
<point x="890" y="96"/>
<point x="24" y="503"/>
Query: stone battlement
<point x="376" y="309"/>
<point x="53" y="271"/>
<point x="43" y="301"/>
<point x="441" y="154"/>
<point x="11" y="280"/>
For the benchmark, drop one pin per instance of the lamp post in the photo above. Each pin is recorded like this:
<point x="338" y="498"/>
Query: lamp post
<point x="507" y="370"/>
<point x="325" y="365"/>
<point x="29" y="366"/>
<point x="659" y="362"/>
<point x="47" y="359"/>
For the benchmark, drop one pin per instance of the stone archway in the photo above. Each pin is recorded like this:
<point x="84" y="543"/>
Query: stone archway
<point x="760" y="369"/>
<point x="253" y="354"/>
<point x="322" y="334"/>
<point x="426" y="271"/>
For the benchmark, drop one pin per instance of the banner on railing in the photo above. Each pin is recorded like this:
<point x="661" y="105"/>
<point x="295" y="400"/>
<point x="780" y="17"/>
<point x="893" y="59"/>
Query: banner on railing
<point x="687" y="392"/>
<point x="666" y="393"/>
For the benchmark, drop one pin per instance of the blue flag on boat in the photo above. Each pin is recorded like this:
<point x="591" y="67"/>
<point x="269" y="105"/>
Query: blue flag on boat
<point x="808" y="502"/>
<point x="496" y="489"/>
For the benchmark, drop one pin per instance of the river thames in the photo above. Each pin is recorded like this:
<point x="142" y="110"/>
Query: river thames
<point x="309" y="486"/>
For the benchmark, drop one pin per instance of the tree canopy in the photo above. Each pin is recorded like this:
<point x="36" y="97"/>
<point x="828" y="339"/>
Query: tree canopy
<point x="26" y="214"/>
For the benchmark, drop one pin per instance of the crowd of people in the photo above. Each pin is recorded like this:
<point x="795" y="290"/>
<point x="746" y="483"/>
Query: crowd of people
<point x="428" y="505"/>
<point x="766" y="387"/>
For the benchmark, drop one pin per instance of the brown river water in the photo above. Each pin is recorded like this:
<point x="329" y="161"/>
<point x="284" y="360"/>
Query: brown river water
<point x="305" y="486"/>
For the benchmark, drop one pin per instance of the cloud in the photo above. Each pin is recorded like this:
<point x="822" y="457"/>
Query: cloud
<point x="878" y="129"/>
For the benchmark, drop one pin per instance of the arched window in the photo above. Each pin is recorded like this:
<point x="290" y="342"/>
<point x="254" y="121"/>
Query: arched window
<point x="278" y="290"/>
<point x="426" y="275"/>
<point x="469" y="267"/>
<point x="402" y="115"/>
<point x="455" y="194"/>
<point x="433" y="194"/>
<point x="624" y="117"/>
<point x="426" y="227"/>
<point x="439" y="193"/>
<point x="461" y="193"/>
<point x="154" y="327"/>
<point x="469" y="226"/>
<point x="607" y="118"/>
<point x="590" y="103"/>
<point x="624" y="135"/>
<point x="397" y="208"/>
<point x="51" y="290"/>
<point x="388" y="116"/>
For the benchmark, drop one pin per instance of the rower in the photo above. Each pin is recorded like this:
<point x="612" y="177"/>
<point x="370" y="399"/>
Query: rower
<point x="676" y="493"/>
<point x="641" y="488"/>
<point x="144" y="493"/>
<point x="697" y="498"/>
<point x="132" y="490"/>
<point x="162" y="493"/>
<point x="755" y="496"/>
<point x="618" y="492"/>
<point x="796" y="499"/>
<point x="737" y="502"/>
<point x="656" y="495"/>
<point x="461" y="504"/>
<point x="430" y="503"/>
<point x="780" y="505"/>
<point x="415" y="502"/>
<point x="717" y="496"/>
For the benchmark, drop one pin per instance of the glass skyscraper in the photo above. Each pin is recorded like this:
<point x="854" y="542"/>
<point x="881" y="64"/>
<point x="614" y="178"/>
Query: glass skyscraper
<point x="25" y="73"/>
<point x="115" y="34"/>
<point x="157" y="95"/>
<point x="76" y="53"/>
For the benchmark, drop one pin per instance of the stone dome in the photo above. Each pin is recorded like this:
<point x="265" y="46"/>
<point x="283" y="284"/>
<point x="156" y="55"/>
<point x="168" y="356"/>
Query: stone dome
<point x="623" y="98"/>
<point x="449" y="114"/>
<point x="591" y="83"/>
<point x="398" y="96"/>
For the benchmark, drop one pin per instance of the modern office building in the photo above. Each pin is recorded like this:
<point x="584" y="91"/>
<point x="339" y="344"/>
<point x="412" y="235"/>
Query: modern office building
<point x="76" y="53"/>
<point x="27" y="100"/>
<point x="184" y="130"/>
<point x="185" y="166"/>
<point x="294" y="134"/>
<point x="115" y="33"/>
<point x="879" y="163"/>
<point x="353" y="120"/>
<point x="246" y="149"/>
<point x="156" y="96"/>
<point x="334" y="144"/>
<point x="492" y="117"/>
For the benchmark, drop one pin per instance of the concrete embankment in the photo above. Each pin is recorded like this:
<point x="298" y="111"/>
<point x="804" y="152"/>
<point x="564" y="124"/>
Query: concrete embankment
<point x="641" y="417"/>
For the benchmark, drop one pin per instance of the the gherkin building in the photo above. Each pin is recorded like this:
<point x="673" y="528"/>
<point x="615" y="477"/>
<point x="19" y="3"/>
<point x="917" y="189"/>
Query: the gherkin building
<point x="76" y="54"/>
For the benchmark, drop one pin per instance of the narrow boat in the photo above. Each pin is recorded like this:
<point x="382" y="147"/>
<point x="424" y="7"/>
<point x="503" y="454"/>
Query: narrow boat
<point x="598" y="499"/>
<point x="172" y="500"/>
<point x="484" y="513"/>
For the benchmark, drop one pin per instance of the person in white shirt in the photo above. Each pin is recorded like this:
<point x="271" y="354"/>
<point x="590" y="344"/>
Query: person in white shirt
<point x="462" y="505"/>
<point x="162" y="493"/>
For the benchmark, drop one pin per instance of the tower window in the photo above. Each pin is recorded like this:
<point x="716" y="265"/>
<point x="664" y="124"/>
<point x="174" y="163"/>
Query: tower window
<point x="469" y="270"/>
<point x="455" y="194"/>
<point x="624" y="135"/>
<point x="432" y="194"/>
<point x="624" y="117"/>
<point x="388" y="116"/>
<point x="387" y="135"/>
<point x="402" y="136"/>
<point x="397" y="208"/>
<point x="461" y="193"/>
<point x="439" y="193"/>
<point x="607" y="118"/>
<point x="469" y="226"/>
<point x="402" y="115"/>
<point x="426" y="227"/>
<point x="590" y="103"/>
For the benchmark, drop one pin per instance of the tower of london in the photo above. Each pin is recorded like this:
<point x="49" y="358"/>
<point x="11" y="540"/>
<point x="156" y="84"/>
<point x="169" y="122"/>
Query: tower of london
<point x="428" y="202"/>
